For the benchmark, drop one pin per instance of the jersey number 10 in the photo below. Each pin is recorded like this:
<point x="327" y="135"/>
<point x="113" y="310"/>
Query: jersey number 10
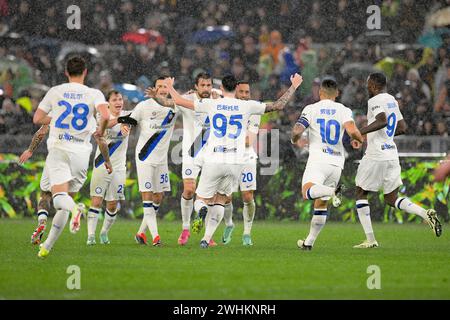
<point x="325" y="131"/>
<point x="80" y="112"/>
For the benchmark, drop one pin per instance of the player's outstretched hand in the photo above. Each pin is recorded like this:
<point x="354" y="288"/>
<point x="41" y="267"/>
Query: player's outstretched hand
<point x="170" y="81"/>
<point x="296" y="80"/>
<point x="125" y="129"/>
<point x="151" y="92"/>
<point x="109" y="167"/>
<point x="356" y="144"/>
<point x="25" y="156"/>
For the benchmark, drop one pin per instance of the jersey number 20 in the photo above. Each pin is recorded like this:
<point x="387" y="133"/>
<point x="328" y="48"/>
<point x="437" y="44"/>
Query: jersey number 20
<point x="325" y="131"/>
<point x="80" y="112"/>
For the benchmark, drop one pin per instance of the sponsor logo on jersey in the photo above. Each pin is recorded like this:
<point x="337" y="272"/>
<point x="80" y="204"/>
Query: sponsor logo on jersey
<point x="391" y="105"/>
<point x="68" y="137"/>
<point x="224" y="149"/>
<point x="386" y="146"/>
<point x="375" y="108"/>
<point x="331" y="152"/>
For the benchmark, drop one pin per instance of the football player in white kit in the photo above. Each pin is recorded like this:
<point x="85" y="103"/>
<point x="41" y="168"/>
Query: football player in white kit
<point x="325" y="121"/>
<point x="109" y="186"/>
<point x="379" y="169"/>
<point x="224" y="153"/>
<point x="156" y="124"/>
<point x="45" y="199"/>
<point x="247" y="178"/>
<point x="195" y="135"/>
<point x="73" y="106"/>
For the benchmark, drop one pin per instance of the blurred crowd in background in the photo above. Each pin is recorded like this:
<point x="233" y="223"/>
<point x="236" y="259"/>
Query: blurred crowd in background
<point x="262" y="41"/>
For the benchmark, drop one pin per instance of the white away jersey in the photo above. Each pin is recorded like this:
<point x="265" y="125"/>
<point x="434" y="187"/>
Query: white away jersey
<point x="228" y="118"/>
<point x="195" y="130"/>
<point x="72" y="106"/>
<point x="156" y="127"/>
<point x="325" y="121"/>
<point x="118" y="145"/>
<point x="380" y="144"/>
<point x="253" y="127"/>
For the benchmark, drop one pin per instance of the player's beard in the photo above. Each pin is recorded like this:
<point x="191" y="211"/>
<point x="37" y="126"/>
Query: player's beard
<point x="204" y="94"/>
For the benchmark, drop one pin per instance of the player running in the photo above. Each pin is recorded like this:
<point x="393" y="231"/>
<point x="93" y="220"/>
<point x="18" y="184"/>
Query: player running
<point x="247" y="178"/>
<point x="224" y="153"/>
<point x="156" y="124"/>
<point x="109" y="186"/>
<point x="325" y="121"/>
<point x="380" y="166"/>
<point x="45" y="198"/>
<point x="73" y="106"/>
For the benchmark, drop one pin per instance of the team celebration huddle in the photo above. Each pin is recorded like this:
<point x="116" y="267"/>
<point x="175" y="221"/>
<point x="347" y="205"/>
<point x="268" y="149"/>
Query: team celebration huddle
<point x="220" y="128"/>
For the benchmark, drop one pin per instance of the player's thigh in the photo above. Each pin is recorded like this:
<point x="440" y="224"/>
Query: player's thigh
<point x="116" y="189"/>
<point x="209" y="180"/>
<point x="369" y="175"/>
<point x="190" y="170"/>
<point x="58" y="167"/>
<point x="314" y="173"/>
<point x="161" y="179"/>
<point x="45" y="180"/>
<point x="333" y="176"/>
<point x="228" y="179"/>
<point x="100" y="182"/>
<point x="79" y="165"/>
<point x="392" y="176"/>
<point x="247" y="178"/>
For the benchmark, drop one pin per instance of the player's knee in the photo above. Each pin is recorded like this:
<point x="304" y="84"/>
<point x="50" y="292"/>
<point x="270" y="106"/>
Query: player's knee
<point x="158" y="197"/>
<point x="62" y="201"/>
<point x="247" y="196"/>
<point x="188" y="193"/>
<point x="111" y="206"/>
<point x="390" y="200"/>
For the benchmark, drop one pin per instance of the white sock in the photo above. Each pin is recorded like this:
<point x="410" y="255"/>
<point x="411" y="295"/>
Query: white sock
<point x="198" y="204"/>
<point x="62" y="201"/>
<point x="92" y="219"/>
<point x="248" y="214"/>
<point x="143" y="226"/>
<point x="110" y="218"/>
<point x="406" y="205"/>
<point x="215" y="215"/>
<point x="317" y="222"/>
<point x="42" y="216"/>
<point x="186" y="211"/>
<point x="150" y="211"/>
<point x="228" y="214"/>
<point x="58" y="224"/>
<point x="363" y="209"/>
<point x="319" y="191"/>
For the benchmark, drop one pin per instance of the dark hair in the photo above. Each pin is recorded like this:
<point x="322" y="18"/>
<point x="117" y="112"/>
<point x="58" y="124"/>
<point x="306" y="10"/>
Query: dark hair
<point x="229" y="83"/>
<point x="202" y="75"/>
<point x="379" y="79"/>
<point x="110" y="93"/>
<point x="243" y="82"/>
<point x="75" y="66"/>
<point x="329" y="84"/>
<point x="159" y="78"/>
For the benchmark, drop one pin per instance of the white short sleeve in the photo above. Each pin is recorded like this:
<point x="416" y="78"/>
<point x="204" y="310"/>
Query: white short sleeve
<point x="203" y="105"/>
<point x="375" y="106"/>
<point x="256" y="107"/>
<point x="99" y="98"/>
<point x="347" y="115"/>
<point x="398" y="112"/>
<point x="136" y="113"/>
<point x="305" y="117"/>
<point x="253" y="123"/>
<point x="46" y="103"/>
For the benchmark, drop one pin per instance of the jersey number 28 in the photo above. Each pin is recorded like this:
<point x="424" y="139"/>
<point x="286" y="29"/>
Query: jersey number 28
<point x="80" y="112"/>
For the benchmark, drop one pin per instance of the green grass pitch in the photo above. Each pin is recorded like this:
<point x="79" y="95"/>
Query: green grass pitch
<point x="414" y="264"/>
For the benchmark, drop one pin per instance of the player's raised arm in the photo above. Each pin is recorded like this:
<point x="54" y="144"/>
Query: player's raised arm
<point x="296" y="81"/>
<point x="35" y="142"/>
<point x="177" y="98"/>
